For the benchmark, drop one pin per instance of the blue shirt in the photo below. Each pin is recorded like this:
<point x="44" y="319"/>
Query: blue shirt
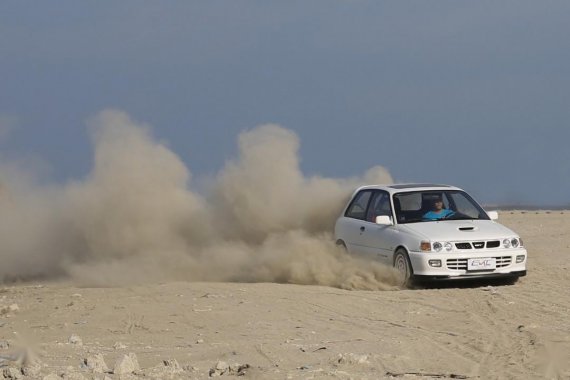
<point x="432" y="215"/>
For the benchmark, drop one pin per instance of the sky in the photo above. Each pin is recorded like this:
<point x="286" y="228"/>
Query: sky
<point x="474" y="94"/>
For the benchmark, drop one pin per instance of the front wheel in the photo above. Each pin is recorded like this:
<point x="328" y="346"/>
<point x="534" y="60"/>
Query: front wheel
<point x="403" y="266"/>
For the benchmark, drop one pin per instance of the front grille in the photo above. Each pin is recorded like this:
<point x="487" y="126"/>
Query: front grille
<point x="503" y="261"/>
<point x="457" y="264"/>
<point x="461" y="264"/>
<point x="478" y="244"/>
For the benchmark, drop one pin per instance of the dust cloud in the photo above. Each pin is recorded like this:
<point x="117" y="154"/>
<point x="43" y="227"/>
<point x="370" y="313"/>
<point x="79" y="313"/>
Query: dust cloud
<point x="134" y="218"/>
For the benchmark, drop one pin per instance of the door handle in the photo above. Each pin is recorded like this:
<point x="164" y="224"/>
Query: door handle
<point x="362" y="229"/>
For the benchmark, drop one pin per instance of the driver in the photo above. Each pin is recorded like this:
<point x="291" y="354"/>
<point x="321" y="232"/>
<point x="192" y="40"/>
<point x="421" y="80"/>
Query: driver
<point x="438" y="211"/>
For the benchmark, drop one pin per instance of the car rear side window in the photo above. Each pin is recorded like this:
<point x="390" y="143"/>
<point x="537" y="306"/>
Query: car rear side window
<point x="359" y="204"/>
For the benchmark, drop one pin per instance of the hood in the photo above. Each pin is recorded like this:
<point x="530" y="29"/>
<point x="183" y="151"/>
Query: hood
<point x="460" y="230"/>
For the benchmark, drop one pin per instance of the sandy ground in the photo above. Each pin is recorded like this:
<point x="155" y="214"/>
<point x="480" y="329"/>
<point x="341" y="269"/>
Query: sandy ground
<point x="481" y="330"/>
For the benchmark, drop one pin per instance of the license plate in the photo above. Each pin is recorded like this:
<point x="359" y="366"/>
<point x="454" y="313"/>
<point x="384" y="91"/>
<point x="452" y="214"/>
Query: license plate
<point x="481" y="264"/>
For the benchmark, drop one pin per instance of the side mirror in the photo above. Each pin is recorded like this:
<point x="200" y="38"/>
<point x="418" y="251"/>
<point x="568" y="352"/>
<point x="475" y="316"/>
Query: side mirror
<point x="494" y="215"/>
<point x="383" y="220"/>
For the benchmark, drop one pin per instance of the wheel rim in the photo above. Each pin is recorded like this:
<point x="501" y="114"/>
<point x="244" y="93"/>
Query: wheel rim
<point x="402" y="266"/>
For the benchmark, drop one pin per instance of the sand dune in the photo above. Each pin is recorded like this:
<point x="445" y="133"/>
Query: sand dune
<point x="283" y="331"/>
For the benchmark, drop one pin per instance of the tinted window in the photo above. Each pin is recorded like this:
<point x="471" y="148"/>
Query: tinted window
<point x="357" y="208"/>
<point x="413" y="207"/>
<point x="410" y="201"/>
<point x="380" y="205"/>
<point x="464" y="205"/>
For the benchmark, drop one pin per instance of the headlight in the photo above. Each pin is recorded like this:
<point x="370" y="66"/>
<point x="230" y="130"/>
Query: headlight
<point x="514" y="242"/>
<point x="448" y="247"/>
<point x="437" y="246"/>
<point x="506" y="243"/>
<point x="521" y="243"/>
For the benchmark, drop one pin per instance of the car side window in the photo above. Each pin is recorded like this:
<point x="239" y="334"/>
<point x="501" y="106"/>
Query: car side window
<point x="379" y="205"/>
<point x="357" y="208"/>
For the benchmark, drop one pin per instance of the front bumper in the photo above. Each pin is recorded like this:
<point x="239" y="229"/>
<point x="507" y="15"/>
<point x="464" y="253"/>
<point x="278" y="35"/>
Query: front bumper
<point x="454" y="264"/>
<point x="486" y="276"/>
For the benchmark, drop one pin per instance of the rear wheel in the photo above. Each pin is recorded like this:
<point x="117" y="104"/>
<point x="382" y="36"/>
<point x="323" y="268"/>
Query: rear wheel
<point x="341" y="244"/>
<point x="403" y="266"/>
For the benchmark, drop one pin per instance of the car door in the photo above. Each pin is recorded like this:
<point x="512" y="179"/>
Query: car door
<point x="379" y="239"/>
<point x="351" y="228"/>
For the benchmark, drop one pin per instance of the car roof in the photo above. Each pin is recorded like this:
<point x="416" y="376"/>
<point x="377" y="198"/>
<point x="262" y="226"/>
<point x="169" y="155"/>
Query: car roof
<point x="408" y="187"/>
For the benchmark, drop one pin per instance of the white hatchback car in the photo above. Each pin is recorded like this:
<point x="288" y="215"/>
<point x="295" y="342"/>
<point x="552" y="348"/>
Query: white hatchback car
<point x="429" y="232"/>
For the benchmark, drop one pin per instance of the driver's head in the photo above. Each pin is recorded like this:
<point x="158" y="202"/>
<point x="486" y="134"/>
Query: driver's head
<point x="438" y="203"/>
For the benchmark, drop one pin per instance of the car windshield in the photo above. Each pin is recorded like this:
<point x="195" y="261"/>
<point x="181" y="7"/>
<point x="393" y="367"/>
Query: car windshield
<point x="434" y="205"/>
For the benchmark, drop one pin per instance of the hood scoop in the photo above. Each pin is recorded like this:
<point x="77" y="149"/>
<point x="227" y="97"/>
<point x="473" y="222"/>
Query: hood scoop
<point x="467" y="228"/>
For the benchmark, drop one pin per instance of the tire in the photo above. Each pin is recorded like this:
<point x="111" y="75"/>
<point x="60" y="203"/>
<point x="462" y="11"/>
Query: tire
<point x="403" y="266"/>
